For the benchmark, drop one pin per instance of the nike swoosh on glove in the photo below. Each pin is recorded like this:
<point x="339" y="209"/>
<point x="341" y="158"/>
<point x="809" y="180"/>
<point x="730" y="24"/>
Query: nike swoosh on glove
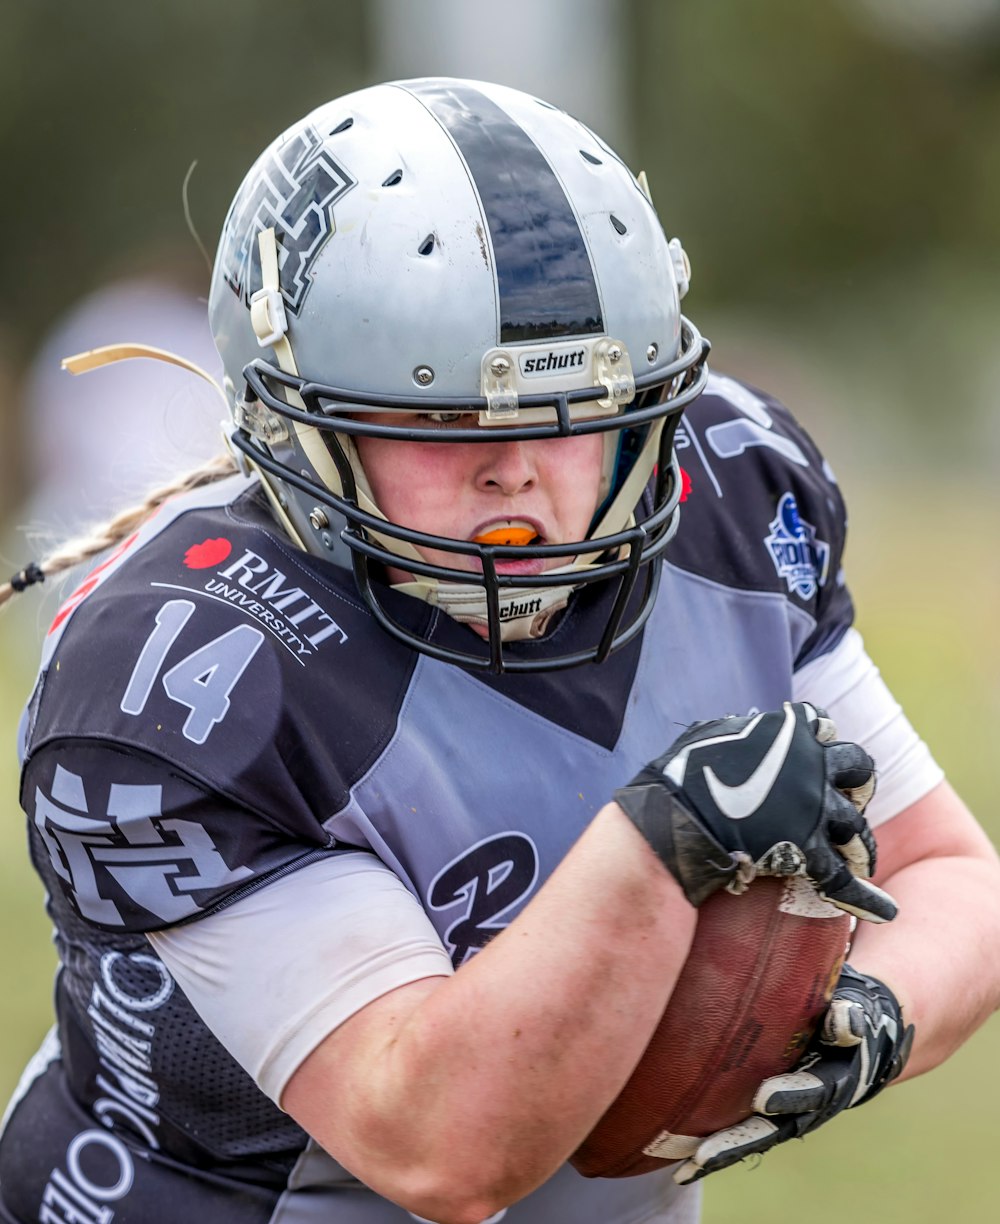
<point x="771" y="794"/>
<point x="861" y="1046"/>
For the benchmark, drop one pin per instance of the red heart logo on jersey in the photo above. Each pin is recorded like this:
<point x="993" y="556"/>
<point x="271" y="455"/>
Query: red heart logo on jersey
<point x="207" y="553"/>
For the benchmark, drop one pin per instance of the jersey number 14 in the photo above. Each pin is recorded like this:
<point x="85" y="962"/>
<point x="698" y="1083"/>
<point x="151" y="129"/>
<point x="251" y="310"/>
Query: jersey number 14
<point x="202" y="681"/>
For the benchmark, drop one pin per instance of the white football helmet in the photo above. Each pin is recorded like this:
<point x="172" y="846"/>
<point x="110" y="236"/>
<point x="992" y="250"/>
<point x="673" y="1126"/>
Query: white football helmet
<point x="447" y="246"/>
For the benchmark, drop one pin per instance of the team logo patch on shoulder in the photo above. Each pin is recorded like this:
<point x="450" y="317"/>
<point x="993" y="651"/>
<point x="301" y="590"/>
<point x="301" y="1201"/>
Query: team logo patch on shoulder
<point x="799" y="557"/>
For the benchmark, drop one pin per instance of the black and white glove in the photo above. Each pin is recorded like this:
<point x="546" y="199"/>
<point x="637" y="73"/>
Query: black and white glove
<point x="861" y="1046"/>
<point x="772" y="794"/>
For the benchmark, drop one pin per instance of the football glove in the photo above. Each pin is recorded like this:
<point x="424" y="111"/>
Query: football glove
<point x="861" y="1046"/>
<point x="772" y="794"/>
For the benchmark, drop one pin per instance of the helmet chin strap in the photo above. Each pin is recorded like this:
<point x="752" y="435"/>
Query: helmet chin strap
<point x="525" y="612"/>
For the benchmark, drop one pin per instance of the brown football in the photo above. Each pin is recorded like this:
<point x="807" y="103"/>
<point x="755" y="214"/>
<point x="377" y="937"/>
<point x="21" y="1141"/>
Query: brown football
<point x="759" y="974"/>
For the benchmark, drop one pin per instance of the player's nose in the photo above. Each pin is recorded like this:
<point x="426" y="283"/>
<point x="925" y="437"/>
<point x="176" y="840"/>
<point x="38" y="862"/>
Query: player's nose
<point x="508" y="467"/>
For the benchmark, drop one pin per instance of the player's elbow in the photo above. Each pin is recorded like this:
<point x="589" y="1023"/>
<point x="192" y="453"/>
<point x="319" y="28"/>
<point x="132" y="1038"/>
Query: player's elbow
<point x="447" y="1208"/>
<point x="452" y="1195"/>
<point x="452" y="1175"/>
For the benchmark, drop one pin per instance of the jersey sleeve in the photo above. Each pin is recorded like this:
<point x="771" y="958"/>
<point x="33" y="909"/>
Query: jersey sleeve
<point x="208" y="698"/>
<point x="135" y="844"/>
<point x="847" y="684"/>
<point x="763" y="512"/>
<point x="273" y="974"/>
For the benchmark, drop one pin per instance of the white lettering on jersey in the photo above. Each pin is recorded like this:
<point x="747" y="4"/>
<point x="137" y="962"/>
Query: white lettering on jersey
<point x="156" y="861"/>
<point x="253" y="573"/>
<point x="124" y="1040"/>
<point x="202" y="681"/>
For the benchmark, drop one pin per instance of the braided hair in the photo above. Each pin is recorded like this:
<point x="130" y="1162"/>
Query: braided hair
<point x="99" y="539"/>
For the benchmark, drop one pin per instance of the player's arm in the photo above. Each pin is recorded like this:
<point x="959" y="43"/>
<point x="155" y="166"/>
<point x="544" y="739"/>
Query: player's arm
<point x="484" y="1083"/>
<point x="457" y="1096"/>
<point x="914" y="990"/>
<point x="918" y="988"/>
<point x="939" y="956"/>
<point x="932" y="856"/>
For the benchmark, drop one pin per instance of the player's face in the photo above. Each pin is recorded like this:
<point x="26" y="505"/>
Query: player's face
<point x="543" y="492"/>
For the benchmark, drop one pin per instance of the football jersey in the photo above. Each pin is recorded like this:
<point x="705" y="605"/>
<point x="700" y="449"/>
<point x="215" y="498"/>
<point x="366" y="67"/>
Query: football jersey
<point x="217" y="709"/>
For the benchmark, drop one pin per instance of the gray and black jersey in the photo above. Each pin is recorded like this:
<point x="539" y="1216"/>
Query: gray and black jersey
<point x="218" y="711"/>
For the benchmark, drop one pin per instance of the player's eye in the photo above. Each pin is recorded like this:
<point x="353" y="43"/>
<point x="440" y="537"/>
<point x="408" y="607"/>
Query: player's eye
<point x="441" y="418"/>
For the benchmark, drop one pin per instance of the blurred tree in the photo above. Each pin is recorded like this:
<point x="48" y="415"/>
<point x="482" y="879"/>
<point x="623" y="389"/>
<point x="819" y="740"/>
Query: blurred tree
<point x="103" y="108"/>
<point x="836" y="181"/>
<point x="797" y="147"/>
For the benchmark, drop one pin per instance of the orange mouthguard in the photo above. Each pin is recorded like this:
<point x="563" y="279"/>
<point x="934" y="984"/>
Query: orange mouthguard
<point x="507" y="535"/>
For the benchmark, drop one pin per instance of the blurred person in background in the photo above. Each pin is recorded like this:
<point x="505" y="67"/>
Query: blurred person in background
<point x="327" y="767"/>
<point x="116" y="446"/>
<point x="118" y="435"/>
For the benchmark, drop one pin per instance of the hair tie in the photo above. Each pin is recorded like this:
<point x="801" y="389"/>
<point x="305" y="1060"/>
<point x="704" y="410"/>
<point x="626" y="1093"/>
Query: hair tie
<point x="27" y="577"/>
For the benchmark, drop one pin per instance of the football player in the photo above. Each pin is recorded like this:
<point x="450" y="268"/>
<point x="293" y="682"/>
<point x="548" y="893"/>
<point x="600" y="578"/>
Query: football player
<point x="376" y="772"/>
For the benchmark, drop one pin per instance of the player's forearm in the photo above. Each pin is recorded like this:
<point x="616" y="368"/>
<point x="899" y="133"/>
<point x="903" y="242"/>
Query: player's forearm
<point x="939" y="955"/>
<point x="484" y="1088"/>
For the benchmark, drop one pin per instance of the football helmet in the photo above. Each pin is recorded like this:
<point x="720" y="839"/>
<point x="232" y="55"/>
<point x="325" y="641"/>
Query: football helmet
<point x="465" y="252"/>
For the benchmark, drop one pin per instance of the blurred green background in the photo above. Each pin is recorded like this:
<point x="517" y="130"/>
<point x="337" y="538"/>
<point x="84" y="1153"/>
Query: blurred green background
<point x="834" y="172"/>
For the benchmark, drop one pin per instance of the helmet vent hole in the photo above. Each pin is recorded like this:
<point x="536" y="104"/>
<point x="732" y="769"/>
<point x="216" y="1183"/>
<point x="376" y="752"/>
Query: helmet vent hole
<point x="427" y="245"/>
<point x="342" y="127"/>
<point x="589" y="157"/>
<point x="393" y="179"/>
<point x="620" y="226"/>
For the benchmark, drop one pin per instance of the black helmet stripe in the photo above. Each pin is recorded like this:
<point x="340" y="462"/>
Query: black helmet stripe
<point x="544" y="275"/>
